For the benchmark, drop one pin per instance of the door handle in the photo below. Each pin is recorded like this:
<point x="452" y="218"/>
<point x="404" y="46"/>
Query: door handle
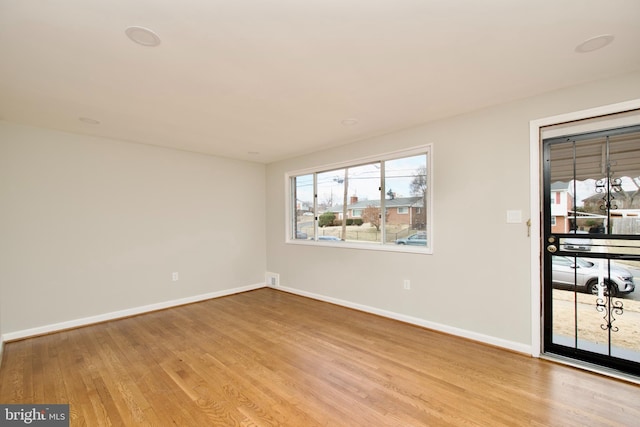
<point x="552" y="249"/>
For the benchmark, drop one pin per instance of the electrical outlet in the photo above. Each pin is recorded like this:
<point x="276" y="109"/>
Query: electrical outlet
<point x="174" y="276"/>
<point x="407" y="284"/>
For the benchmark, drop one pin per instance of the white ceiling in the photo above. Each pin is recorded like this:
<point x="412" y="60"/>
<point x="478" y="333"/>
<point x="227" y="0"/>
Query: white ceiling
<point x="236" y="77"/>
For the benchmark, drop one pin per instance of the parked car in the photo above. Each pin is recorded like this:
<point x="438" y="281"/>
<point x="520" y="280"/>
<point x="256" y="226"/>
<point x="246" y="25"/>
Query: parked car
<point x="328" y="238"/>
<point x="418" y="239"/>
<point x="569" y="270"/>
<point x="577" y="244"/>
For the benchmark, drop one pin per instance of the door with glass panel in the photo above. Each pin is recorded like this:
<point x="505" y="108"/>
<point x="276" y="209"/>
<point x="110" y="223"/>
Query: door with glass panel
<point x="592" y="248"/>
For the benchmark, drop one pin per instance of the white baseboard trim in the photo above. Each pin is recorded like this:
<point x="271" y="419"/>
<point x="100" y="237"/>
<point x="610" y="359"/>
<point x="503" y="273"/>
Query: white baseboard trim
<point x="56" y="327"/>
<point x="47" y="329"/>
<point x="474" y="336"/>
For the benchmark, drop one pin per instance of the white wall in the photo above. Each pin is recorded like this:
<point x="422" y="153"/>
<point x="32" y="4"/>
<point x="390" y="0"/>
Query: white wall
<point x="1" y="339"/>
<point x="92" y="226"/>
<point x="477" y="282"/>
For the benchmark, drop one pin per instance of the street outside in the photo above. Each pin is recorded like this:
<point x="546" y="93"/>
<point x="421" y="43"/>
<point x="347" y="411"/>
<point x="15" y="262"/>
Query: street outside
<point x="365" y="232"/>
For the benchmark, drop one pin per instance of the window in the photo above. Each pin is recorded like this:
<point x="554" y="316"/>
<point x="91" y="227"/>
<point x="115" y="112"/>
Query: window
<point x="303" y="205"/>
<point x="343" y="205"/>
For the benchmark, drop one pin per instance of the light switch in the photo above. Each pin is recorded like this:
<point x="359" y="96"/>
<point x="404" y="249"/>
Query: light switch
<point x="514" y="217"/>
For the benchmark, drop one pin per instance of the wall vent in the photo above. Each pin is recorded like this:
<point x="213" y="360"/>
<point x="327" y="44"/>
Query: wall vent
<point x="272" y="279"/>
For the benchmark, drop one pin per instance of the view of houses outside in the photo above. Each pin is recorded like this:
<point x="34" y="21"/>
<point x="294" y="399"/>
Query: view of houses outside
<point x="589" y="216"/>
<point x="350" y="202"/>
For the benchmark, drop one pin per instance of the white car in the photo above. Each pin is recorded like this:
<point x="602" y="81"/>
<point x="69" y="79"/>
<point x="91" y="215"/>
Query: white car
<point x="566" y="271"/>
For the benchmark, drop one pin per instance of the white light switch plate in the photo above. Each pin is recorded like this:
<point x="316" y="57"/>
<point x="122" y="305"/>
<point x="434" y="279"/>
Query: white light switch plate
<point x="514" y="217"/>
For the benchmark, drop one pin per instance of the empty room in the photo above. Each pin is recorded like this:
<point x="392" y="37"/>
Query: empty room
<point x="318" y="213"/>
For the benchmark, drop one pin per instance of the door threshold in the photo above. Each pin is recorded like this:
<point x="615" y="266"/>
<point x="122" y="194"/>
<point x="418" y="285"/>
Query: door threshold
<point x="591" y="367"/>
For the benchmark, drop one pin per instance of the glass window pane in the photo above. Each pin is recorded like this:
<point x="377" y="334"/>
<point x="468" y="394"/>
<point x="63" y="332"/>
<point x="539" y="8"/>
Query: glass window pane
<point x="303" y="214"/>
<point x="331" y="191"/>
<point x="347" y="199"/>
<point x="624" y="151"/>
<point x="363" y="205"/>
<point x="597" y="194"/>
<point x="406" y="191"/>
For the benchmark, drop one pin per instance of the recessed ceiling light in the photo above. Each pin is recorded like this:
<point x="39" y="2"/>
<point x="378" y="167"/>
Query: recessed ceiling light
<point x="594" y="43"/>
<point x="349" y="122"/>
<point x="143" y="36"/>
<point x="89" y="120"/>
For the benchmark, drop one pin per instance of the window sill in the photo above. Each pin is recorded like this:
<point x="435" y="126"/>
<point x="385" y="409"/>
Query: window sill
<point x="363" y="246"/>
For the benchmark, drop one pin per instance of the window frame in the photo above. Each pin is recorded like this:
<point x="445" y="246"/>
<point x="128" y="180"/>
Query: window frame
<point x="426" y="149"/>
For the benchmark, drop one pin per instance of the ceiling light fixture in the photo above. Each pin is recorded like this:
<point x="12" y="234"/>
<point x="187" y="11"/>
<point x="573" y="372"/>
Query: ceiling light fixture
<point x="594" y="43"/>
<point x="143" y="36"/>
<point x="89" y="120"/>
<point x="349" y="122"/>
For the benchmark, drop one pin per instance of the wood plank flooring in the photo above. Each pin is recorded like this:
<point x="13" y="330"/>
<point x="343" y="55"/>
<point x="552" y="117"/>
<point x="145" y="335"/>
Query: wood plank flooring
<point x="268" y="358"/>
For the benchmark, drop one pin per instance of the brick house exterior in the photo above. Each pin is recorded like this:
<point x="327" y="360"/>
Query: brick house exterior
<point x="400" y="210"/>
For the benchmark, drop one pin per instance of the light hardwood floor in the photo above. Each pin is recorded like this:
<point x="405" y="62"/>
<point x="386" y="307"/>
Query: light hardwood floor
<point x="268" y="358"/>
